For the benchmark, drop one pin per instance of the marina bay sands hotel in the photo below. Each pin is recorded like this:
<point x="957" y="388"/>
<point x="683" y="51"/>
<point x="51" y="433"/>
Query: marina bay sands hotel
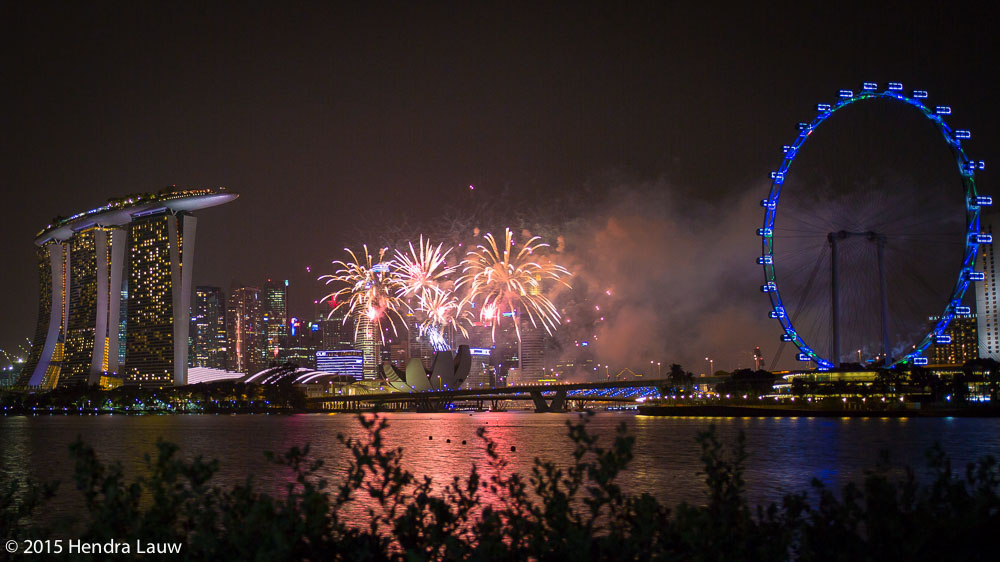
<point x="115" y="287"/>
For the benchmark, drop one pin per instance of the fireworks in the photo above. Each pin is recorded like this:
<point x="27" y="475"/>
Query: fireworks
<point x="439" y="308"/>
<point x="502" y="282"/>
<point x="509" y="282"/>
<point x="421" y="271"/>
<point x="369" y="290"/>
<point x="422" y="274"/>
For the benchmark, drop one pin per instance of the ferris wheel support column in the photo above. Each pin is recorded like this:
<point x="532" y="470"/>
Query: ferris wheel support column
<point x="880" y="245"/>
<point x="835" y="302"/>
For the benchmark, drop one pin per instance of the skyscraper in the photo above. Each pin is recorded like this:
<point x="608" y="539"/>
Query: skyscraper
<point x="120" y="272"/>
<point x="964" y="344"/>
<point x="335" y="333"/>
<point x="245" y="330"/>
<point x="208" y="328"/>
<point x="161" y="259"/>
<point x="987" y="310"/>
<point x="418" y="344"/>
<point x="275" y="314"/>
<point x="366" y="340"/>
<point x="532" y="353"/>
<point x="93" y="307"/>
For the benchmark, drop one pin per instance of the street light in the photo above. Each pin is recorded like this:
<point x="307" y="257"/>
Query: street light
<point x="711" y="366"/>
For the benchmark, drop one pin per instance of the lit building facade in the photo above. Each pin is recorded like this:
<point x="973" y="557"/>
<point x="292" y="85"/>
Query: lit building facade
<point x="532" y="353"/>
<point x="964" y="344"/>
<point x="245" y="330"/>
<point x="208" y="328"/>
<point x="418" y="344"/>
<point x="115" y="291"/>
<point x="275" y="299"/>
<point x="336" y="333"/>
<point x="161" y="259"/>
<point x="366" y="340"/>
<point x="346" y="362"/>
<point x="94" y="272"/>
<point x="987" y="309"/>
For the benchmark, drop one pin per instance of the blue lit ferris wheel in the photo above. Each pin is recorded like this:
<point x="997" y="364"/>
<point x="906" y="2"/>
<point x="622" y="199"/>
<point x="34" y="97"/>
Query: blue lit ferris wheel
<point x="972" y="240"/>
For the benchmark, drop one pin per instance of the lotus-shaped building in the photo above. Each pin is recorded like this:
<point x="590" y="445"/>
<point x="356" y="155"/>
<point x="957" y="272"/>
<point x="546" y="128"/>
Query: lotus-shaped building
<point x="448" y="371"/>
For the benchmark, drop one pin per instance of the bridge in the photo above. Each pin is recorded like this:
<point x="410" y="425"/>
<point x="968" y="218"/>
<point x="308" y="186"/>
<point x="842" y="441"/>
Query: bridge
<point x="544" y="397"/>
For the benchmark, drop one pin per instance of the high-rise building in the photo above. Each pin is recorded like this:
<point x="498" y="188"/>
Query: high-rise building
<point x="335" y="333"/>
<point x="418" y="344"/>
<point x="117" y="273"/>
<point x="302" y="342"/>
<point x="245" y="330"/>
<point x="987" y="309"/>
<point x="964" y="344"/>
<point x="480" y="374"/>
<point x="346" y="362"/>
<point x="91" y="338"/>
<point x="366" y="340"/>
<point x="275" y="299"/>
<point x="532" y="353"/>
<point x="208" y="328"/>
<point x="161" y="259"/>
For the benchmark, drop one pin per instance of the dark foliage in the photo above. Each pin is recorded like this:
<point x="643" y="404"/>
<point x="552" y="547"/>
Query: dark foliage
<point x="575" y="513"/>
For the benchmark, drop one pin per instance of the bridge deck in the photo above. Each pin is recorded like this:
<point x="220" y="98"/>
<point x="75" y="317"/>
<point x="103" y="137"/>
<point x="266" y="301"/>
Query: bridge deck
<point x="624" y="391"/>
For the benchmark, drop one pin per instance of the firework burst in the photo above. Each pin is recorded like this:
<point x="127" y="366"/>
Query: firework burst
<point x="422" y="270"/>
<point x="367" y="288"/>
<point x="439" y="308"/>
<point x="505" y="280"/>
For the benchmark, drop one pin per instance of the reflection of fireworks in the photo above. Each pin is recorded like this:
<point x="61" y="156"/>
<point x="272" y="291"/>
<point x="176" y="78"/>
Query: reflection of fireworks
<point x="369" y="290"/>
<point x="506" y="281"/>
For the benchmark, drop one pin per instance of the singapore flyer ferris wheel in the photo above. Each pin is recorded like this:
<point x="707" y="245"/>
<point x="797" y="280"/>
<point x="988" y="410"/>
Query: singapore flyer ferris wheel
<point x="877" y="239"/>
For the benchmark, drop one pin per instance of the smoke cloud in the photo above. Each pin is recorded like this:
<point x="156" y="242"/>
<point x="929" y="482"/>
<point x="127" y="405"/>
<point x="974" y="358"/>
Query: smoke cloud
<point x="666" y="278"/>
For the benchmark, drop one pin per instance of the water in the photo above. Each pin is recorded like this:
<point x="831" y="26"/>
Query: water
<point x="785" y="453"/>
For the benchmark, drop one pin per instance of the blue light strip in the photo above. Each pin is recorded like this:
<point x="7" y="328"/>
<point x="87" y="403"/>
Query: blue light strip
<point x="973" y="202"/>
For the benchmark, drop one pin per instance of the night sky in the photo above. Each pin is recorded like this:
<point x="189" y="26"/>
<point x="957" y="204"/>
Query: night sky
<point x="331" y="120"/>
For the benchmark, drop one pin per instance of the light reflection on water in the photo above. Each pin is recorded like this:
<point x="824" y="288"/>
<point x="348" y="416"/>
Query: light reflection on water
<point x="785" y="453"/>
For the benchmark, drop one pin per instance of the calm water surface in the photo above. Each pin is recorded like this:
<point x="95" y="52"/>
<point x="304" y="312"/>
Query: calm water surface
<point x="785" y="453"/>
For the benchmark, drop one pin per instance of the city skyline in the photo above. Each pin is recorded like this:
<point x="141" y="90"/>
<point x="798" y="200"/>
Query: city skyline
<point x="642" y="113"/>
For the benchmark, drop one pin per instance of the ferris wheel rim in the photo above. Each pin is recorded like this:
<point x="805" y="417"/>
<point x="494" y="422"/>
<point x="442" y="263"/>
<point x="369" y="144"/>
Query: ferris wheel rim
<point x="973" y="204"/>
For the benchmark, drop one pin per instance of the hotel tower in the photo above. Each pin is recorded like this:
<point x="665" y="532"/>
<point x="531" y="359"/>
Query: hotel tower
<point x="117" y="278"/>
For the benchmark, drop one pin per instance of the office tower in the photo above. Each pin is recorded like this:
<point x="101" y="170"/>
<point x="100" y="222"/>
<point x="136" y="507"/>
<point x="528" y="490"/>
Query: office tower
<point x="245" y="330"/>
<point x="418" y="344"/>
<point x="366" y="340"/>
<point x="987" y="321"/>
<point x="275" y="301"/>
<point x="532" y="353"/>
<point x="335" y="333"/>
<point x="344" y="362"/>
<point x="120" y="272"/>
<point x="302" y="342"/>
<point x="480" y="373"/>
<point x="964" y="344"/>
<point x="208" y="328"/>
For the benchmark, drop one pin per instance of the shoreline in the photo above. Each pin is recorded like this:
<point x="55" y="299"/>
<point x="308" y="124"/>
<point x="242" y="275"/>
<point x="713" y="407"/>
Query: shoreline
<point x="779" y="412"/>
